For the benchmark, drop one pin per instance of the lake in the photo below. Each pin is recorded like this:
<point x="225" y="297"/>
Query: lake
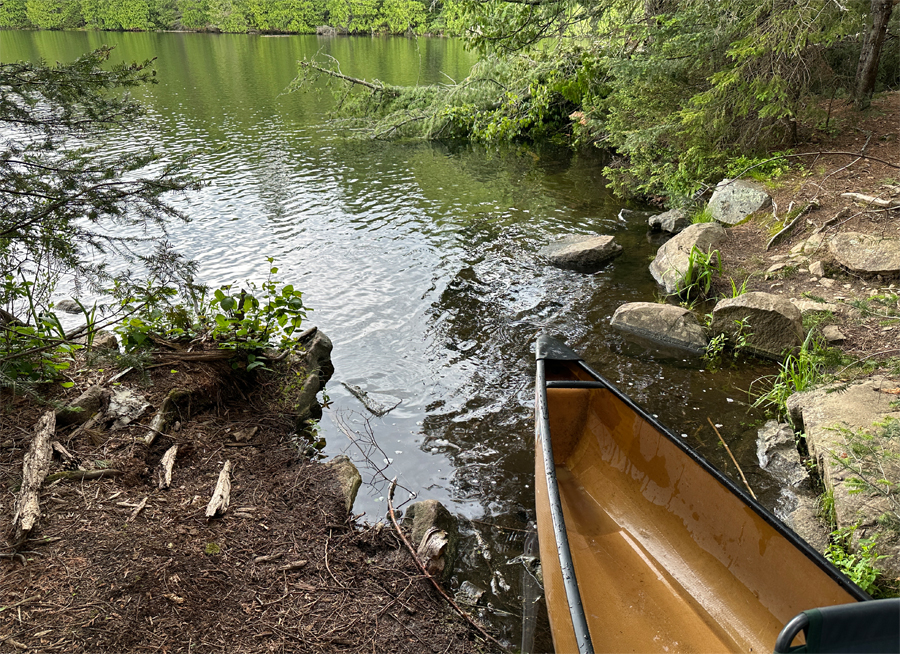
<point x="420" y="262"/>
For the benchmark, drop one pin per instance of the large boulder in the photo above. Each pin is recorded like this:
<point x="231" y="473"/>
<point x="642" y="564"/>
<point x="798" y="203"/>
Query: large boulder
<point x="672" y="221"/>
<point x="851" y="435"/>
<point x="866" y="254"/>
<point x="735" y="199"/>
<point x="672" y="261"/>
<point x="769" y="325"/>
<point x="581" y="252"/>
<point x="661" y="323"/>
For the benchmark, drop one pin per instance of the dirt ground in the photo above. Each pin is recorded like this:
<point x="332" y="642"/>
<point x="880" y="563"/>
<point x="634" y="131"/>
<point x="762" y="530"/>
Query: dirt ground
<point x="285" y="569"/>
<point x="822" y="179"/>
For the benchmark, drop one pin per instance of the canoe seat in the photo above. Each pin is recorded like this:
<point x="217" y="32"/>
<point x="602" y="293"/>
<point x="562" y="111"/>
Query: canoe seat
<point x="864" y="627"/>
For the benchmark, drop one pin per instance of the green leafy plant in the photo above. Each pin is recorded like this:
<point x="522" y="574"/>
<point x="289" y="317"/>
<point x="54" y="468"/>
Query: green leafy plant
<point x="738" y="289"/>
<point x="696" y="281"/>
<point x="796" y="373"/>
<point x="249" y="320"/>
<point x="858" y="562"/>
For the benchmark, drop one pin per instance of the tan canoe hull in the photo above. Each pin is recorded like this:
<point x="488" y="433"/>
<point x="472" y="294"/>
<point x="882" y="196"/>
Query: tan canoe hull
<point x="668" y="556"/>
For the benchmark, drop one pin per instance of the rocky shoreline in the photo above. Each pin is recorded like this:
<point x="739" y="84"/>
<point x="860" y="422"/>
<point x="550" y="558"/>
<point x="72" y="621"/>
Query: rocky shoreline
<point x="838" y="446"/>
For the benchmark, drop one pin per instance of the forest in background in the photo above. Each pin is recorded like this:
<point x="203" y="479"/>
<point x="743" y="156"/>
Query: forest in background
<point x="233" y="16"/>
<point x="683" y="93"/>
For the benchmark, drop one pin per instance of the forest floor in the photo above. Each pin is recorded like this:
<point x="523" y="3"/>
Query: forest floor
<point x="284" y="570"/>
<point x="868" y="306"/>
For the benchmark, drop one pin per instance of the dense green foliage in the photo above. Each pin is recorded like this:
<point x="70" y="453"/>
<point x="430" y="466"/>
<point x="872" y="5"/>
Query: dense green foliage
<point x="683" y="91"/>
<point x="67" y="201"/>
<point x="237" y="16"/>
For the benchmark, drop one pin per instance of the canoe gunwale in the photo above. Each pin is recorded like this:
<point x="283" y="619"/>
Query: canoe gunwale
<point x="567" y="566"/>
<point x="548" y="353"/>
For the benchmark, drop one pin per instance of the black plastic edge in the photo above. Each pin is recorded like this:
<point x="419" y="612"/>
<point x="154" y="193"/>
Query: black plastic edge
<point x="567" y="567"/>
<point x="548" y="347"/>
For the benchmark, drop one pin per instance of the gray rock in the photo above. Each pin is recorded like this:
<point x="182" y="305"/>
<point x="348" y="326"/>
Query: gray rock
<point x="317" y="357"/>
<point x="125" y="406"/>
<point x="102" y="340"/>
<point x="348" y="477"/>
<point x="469" y="594"/>
<point x="673" y="221"/>
<point x="378" y="404"/>
<point x="94" y="399"/>
<point x="810" y="246"/>
<point x="817" y="269"/>
<point x="832" y="334"/>
<point x="776" y="449"/>
<point x="580" y="252"/>
<point x="774" y="325"/>
<point x="662" y="323"/>
<point x="306" y="404"/>
<point x="673" y="258"/>
<point x="734" y="200"/>
<point x="867" y="254"/>
<point x="831" y="417"/>
<point x="428" y="515"/>
<point x="67" y="306"/>
<point x="811" y="306"/>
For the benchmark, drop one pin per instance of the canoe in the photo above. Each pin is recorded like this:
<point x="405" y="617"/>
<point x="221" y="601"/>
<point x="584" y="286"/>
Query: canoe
<point x="645" y="547"/>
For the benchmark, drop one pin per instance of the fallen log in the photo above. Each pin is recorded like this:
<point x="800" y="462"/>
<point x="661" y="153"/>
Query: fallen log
<point x="35" y="466"/>
<point x="221" y="496"/>
<point x="165" y="467"/>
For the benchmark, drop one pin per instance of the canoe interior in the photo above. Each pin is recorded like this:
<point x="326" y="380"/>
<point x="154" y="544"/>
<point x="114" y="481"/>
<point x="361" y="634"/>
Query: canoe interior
<point x="667" y="558"/>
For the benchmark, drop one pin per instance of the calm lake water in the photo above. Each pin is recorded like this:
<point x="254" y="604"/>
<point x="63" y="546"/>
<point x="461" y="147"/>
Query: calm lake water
<point x="420" y="262"/>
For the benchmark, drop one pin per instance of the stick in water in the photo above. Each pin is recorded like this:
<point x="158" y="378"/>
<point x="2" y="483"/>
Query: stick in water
<point x="728" y="449"/>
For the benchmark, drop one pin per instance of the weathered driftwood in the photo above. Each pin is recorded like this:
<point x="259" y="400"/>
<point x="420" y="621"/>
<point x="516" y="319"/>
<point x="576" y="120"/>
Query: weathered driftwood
<point x="221" y="497"/>
<point x="64" y="454"/>
<point x="164" y="416"/>
<point x="868" y="199"/>
<point x="84" y="475"/>
<point x="35" y="466"/>
<point x="138" y="508"/>
<point x="431" y="551"/>
<point x="165" y="467"/>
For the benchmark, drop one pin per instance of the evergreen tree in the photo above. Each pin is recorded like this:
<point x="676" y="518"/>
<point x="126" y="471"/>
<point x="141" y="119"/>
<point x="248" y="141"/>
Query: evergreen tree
<point x="65" y="199"/>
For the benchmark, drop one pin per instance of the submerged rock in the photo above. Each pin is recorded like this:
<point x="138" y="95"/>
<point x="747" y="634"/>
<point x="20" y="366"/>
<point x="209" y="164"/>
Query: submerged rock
<point x="581" y="252"/>
<point x="661" y="323"/>
<point x="735" y="199"/>
<point x="769" y="324"/>
<point x="672" y="260"/>
<point x="673" y="221"/>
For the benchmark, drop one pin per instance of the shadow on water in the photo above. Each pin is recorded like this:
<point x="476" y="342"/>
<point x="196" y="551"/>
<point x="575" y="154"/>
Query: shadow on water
<point x="421" y="262"/>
